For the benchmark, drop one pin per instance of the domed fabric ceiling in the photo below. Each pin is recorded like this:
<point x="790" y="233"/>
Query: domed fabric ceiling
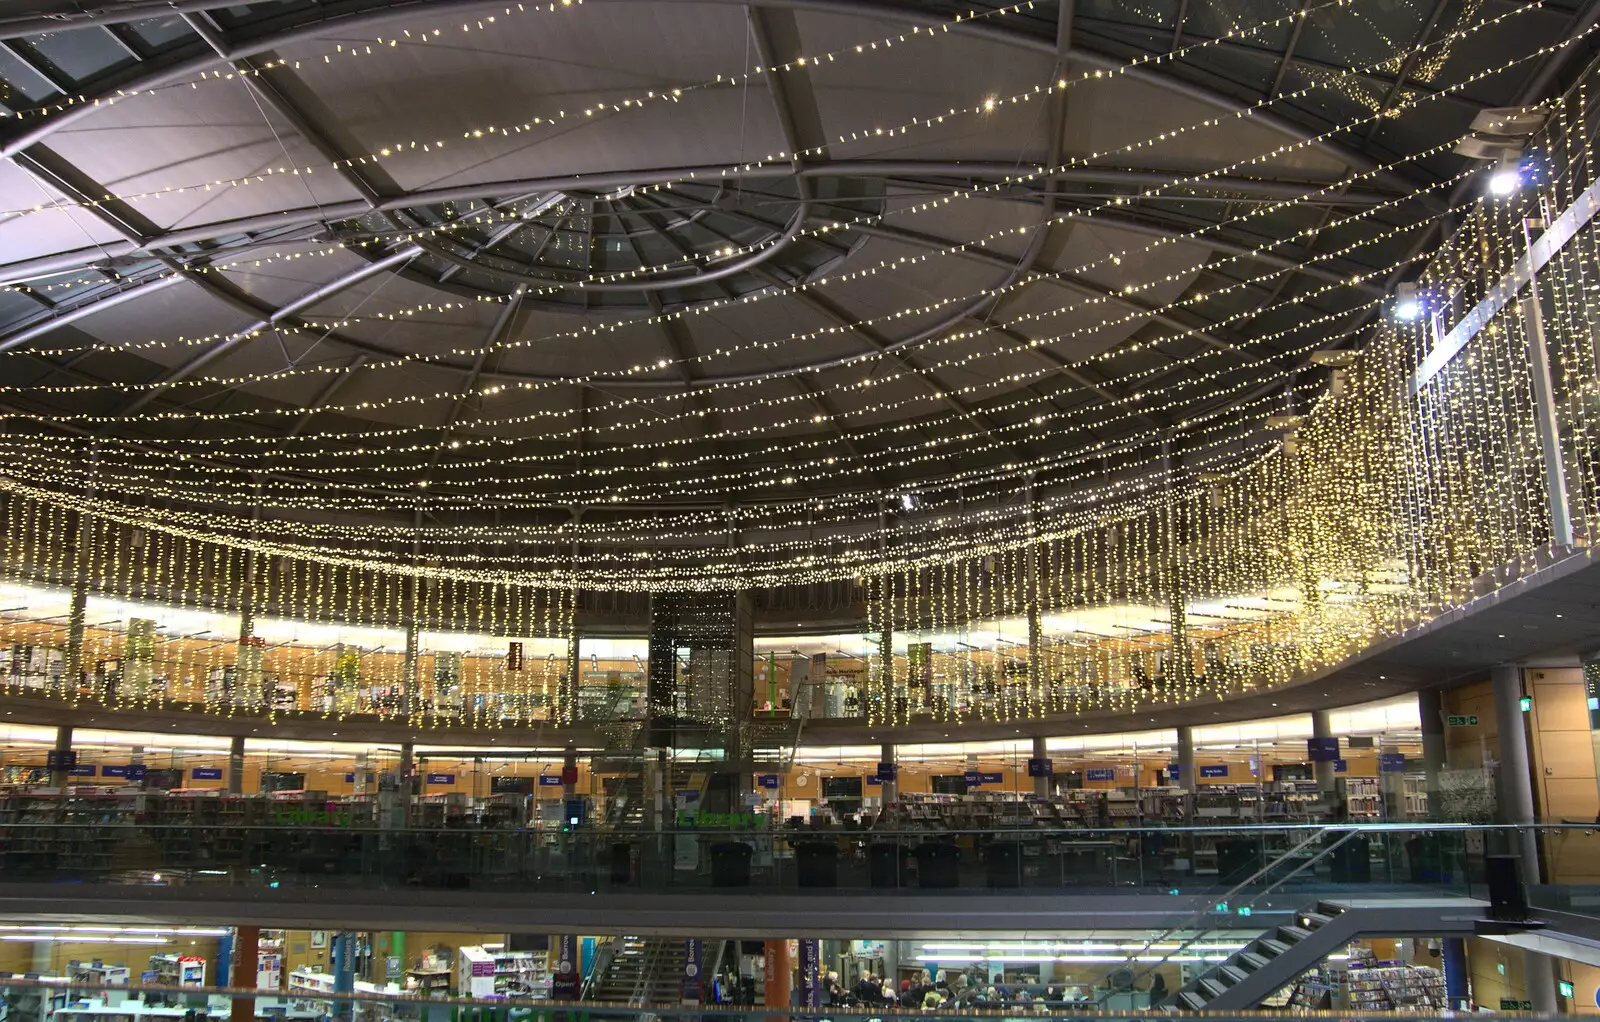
<point x="654" y="275"/>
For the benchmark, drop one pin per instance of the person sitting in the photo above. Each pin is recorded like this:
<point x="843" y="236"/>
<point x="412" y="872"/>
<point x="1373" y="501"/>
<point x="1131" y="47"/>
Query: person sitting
<point x="932" y="999"/>
<point x="868" y="989"/>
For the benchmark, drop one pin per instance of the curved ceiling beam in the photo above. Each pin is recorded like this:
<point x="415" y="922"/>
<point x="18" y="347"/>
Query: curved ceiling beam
<point x="276" y="316"/>
<point x="305" y="216"/>
<point x="379" y="12"/>
<point x="700" y="276"/>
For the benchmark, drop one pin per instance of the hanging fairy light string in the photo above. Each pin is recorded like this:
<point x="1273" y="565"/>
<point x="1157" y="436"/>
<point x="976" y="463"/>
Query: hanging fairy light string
<point x="1225" y="170"/>
<point x="1036" y="426"/>
<point x="1132" y="316"/>
<point x="1271" y="541"/>
<point x="982" y="106"/>
<point x="1114" y="256"/>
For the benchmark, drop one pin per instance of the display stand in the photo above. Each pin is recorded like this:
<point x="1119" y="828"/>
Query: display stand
<point x="96" y="974"/>
<point x="178" y="970"/>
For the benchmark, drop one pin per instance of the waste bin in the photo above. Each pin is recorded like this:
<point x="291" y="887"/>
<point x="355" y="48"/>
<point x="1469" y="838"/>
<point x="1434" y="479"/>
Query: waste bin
<point x="1351" y="861"/>
<point x="816" y="863"/>
<point x="936" y="864"/>
<point x="1237" y="860"/>
<point x="730" y="864"/>
<point x="1425" y="856"/>
<point x="1004" y="859"/>
<point x="621" y="863"/>
<point x="883" y="864"/>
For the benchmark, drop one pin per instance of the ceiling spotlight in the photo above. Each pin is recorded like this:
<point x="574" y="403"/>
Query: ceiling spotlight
<point x="1506" y="177"/>
<point x="1408" y="302"/>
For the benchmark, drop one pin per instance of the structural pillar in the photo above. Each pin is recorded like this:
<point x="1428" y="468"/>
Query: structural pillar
<point x="246" y="960"/>
<point x="569" y="773"/>
<point x="1430" y="711"/>
<point x="344" y="970"/>
<point x="776" y="975"/>
<point x="1514" y="794"/>
<point x="1188" y="773"/>
<point x="1457" y="984"/>
<point x="61" y="761"/>
<point x="1322" y="727"/>
<point x="1539" y="974"/>
<point x="236" y="765"/>
<point x="408" y="771"/>
<point x="890" y="785"/>
<point x="411" y="687"/>
<point x="77" y="608"/>
<point x="1041" y="783"/>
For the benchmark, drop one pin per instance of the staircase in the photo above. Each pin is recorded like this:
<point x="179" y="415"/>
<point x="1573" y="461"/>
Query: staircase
<point x="640" y="971"/>
<point x="1275" y="959"/>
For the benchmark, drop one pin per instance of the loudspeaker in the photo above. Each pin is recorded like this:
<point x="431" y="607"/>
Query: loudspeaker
<point x="1508" y="898"/>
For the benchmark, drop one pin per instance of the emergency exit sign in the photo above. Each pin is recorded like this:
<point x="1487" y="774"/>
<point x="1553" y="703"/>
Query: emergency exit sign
<point x="1467" y="720"/>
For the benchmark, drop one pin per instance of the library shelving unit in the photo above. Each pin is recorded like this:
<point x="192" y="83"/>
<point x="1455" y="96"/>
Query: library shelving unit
<point x="1363" y="799"/>
<point x="428" y="981"/>
<point x="178" y="970"/>
<point x="97" y="974"/>
<point x="308" y="986"/>
<point x="492" y="971"/>
<point x="269" y="960"/>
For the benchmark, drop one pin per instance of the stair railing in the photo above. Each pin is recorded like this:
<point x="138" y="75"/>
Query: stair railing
<point x="1197" y="921"/>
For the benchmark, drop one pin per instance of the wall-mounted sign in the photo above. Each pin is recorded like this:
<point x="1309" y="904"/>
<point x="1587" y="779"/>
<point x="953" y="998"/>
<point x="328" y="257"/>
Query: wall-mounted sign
<point x="1322" y="750"/>
<point x="1392" y="762"/>
<point x="1100" y="774"/>
<point x="114" y="771"/>
<point x="1214" y="770"/>
<point x="441" y="778"/>
<point x="886" y="771"/>
<point x="1040" y="767"/>
<point x="206" y="773"/>
<point x="1462" y="720"/>
<point x="514" y="657"/>
<point x="769" y="781"/>
<point x="549" y="781"/>
<point x="82" y="771"/>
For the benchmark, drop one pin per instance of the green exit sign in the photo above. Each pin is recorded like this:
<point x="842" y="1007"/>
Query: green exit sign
<point x="1565" y="988"/>
<point x="1462" y="720"/>
<point x="1512" y="1004"/>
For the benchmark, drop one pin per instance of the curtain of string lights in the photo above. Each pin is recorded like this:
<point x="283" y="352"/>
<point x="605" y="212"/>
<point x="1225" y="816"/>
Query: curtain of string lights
<point x="1370" y="506"/>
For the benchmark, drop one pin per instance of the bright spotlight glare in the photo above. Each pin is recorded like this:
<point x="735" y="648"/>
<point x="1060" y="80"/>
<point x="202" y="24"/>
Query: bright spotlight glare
<point x="1408" y="309"/>
<point x="1505" y="181"/>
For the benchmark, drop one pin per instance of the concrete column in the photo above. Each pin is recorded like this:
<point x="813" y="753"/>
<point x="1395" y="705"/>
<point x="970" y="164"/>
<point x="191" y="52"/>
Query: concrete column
<point x="236" y="765"/>
<point x="246" y="956"/>
<point x="248" y="680"/>
<point x="891" y="786"/>
<point x="569" y="767"/>
<point x="886" y="675"/>
<point x="1322" y="727"/>
<point x="1041" y="785"/>
<point x="72" y="666"/>
<point x="1430" y="711"/>
<point x="1188" y="773"/>
<point x="60" y="777"/>
<point x="408" y="773"/>
<point x="410" y="681"/>
<point x="567" y="697"/>
<point x="1515" y="779"/>
<point x="1539" y="974"/>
